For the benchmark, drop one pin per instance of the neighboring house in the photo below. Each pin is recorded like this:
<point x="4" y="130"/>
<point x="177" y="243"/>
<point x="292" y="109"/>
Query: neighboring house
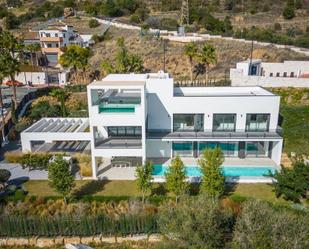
<point x="31" y="37"/>
<point x="135" y="117"/>
<point x="35" y="75"/>
<point x="57" y="36"/>
<point x="265" y="74"/>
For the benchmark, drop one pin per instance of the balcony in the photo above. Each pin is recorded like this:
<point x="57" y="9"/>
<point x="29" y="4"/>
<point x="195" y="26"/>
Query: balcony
<point x="124" y="108"/>
<point x="165" y="134"/>
<point x="51" y="39"/>
<point x="119" y="143"/>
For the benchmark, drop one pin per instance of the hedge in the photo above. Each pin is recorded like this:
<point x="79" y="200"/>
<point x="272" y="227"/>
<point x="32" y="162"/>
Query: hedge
<point x="20" y="226"/>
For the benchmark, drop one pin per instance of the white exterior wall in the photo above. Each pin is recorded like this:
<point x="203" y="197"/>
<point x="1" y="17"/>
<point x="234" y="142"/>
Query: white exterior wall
<point x="158" y="149"/>
<point x="39" y="78"/>
<point x="239" y="76"/>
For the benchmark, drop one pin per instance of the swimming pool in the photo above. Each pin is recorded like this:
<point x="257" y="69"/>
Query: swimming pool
<point x="228" y="171"/>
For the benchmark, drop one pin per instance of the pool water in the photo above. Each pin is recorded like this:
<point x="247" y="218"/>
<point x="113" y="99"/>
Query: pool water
<point x="229" y="171"/>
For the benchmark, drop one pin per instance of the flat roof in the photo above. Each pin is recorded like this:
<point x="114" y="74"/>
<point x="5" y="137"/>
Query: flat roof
<point x="231" y="91"/>
<point x="121" y="80"/>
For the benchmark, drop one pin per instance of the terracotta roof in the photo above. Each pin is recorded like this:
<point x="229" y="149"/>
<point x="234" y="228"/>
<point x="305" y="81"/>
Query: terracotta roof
<point x="306" y="75"/>
<point x="31" y="35"/>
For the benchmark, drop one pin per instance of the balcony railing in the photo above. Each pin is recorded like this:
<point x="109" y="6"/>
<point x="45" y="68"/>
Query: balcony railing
<point x="120" y="143"/>
<point x="166" y="134"/>
<point x="124" y="108"/>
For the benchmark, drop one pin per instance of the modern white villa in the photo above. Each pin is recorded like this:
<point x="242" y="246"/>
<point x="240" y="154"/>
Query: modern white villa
<point x="265" y="74"/>
<point x="138" y="117"/>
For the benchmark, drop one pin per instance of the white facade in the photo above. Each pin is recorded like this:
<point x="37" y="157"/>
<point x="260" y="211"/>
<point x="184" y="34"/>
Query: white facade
<point x="180" y="121"/>
<point x="144" y="116"/>
<point x="57" y="77"/>
<point x="286" y="74"/>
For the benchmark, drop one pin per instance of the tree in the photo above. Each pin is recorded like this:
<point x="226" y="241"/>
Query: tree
<point x="60" y="177"/>
<point x="195" y="222"/>
<point x="126" y="62"/>
<point x="289" y="10"/>
<point x="143" y="175"/>
<point x="4" y="177"/>
<point x="93" y="23"/>
<point x="292" y="183"/>
<point x="11" y="46"/>
<point x="176" y="178"/>
<point x="61" y="95"/>
<point x="213" y="178"/>
<point x="207" y="57"/>
<point x="33" y="49"/>
<point x="76" y="57"/>
<point x="262" y="226"/>
<point x="3" y="74"/>
<point x="191" y="51"/>
<point x="14" y="113"/>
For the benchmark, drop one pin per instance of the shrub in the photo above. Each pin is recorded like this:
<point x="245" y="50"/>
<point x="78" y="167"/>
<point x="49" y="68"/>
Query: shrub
<point x="85" y="169"/>
<point x="4" y="177"/>
<point x="168" y="24"/>
<point x="93" y="23"/>
<point x="135" y="19"/>
<point x="37" y="160"/>
<point x="262" y="226"/>
<point x="13" y="156"/>
<point x="289" y="10"/>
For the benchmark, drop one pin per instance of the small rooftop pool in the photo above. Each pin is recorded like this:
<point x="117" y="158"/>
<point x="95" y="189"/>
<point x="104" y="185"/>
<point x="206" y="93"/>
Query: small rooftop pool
<point x="228" y="171"/>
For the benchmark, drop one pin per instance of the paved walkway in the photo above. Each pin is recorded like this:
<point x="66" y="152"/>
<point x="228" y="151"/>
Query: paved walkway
<point x="18" y="172"/>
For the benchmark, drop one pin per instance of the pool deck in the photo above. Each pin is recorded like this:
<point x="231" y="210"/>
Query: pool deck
<point x="128" y="173"/>
<point x="227" y="162"/>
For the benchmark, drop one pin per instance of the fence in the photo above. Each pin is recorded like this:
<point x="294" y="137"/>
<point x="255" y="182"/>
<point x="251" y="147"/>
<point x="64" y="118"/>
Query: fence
<point x="23" y="226"/>
<point x="202" y="83"/>
<point x="29" y="96"/>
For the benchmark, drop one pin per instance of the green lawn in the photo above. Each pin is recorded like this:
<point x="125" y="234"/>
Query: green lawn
<point x="128" y="188"/>
<point x="87" y="187"/>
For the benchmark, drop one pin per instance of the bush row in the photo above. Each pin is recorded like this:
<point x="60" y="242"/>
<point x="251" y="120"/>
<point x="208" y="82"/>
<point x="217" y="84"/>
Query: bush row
<point x="19" y="226"/>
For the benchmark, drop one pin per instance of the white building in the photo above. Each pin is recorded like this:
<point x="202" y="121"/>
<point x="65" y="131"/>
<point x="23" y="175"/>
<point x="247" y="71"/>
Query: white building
<point x="134" y="117"/>
<point x="35" y="76"/>
<point x="57" y="36"/>
<point x="258" y="73"/>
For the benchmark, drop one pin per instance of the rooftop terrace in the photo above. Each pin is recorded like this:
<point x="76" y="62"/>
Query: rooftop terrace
<point x="220" y="91"/>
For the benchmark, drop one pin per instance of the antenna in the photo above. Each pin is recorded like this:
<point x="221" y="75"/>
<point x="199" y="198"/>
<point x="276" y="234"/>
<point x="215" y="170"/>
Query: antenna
<point x="184" y="16"/>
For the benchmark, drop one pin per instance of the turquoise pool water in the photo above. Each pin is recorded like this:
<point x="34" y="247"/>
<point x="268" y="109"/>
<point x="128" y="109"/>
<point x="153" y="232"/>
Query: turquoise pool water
<point x="229" y="171"/>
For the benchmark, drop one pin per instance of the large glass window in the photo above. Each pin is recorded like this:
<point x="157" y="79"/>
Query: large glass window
<point x="257" y="149"/>
<point x="124" y="131"/>
<point x="229" y="149"/>
<point x="188" y="122"/>
<point x="257" y="122"/>
<point x="224" y="122"/>
<point x="184" y="149"/>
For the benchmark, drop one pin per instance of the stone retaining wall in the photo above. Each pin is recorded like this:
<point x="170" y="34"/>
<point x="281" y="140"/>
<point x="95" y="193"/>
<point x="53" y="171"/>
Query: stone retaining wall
<point x="46" y="242"/>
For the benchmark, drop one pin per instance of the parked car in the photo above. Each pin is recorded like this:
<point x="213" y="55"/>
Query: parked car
<point x="16" y="83"/>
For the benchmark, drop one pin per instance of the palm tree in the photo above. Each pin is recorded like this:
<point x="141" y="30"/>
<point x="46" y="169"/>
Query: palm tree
<point x="61" y="95"/>
<point x="76" y="57"/>
<point x="191" y="51"/>
<point x="10" y="45"/>
<point x="13" y="66"/>
<point x="33" y="49"/>
<point x="3" y="74"/>
<point x="207" y="57"/>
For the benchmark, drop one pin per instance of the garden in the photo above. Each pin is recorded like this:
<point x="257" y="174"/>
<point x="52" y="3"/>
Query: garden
<point x="209" y="215"/>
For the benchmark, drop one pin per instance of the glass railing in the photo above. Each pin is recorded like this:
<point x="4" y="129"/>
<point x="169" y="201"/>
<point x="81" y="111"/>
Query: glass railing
<point x="124" y="108"/>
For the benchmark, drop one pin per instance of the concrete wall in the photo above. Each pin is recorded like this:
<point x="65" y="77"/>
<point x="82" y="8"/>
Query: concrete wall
<point x="156" y="148"/>
<point x="238" y="79"/>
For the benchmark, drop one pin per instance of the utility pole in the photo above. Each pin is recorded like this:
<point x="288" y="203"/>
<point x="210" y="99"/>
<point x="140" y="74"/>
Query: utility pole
<point x="184" y="15"/>
<point x="164" y="51"/>
<point x="251" y="55"/>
